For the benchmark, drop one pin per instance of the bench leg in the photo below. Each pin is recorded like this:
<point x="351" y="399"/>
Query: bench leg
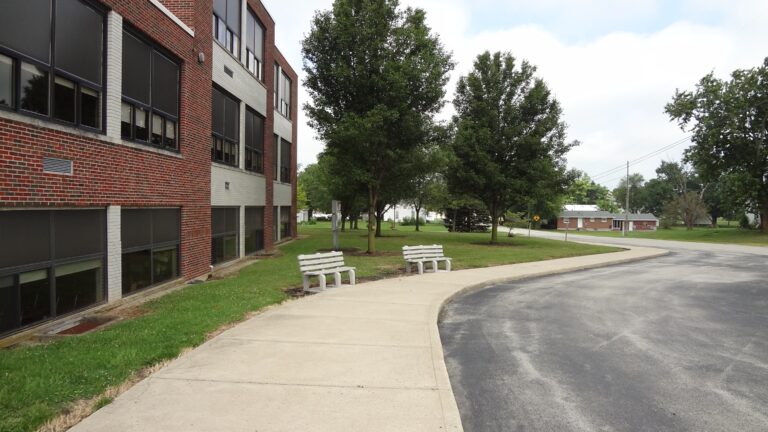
<point x="305" y="282"/>
<point x="447" y="265"/>
<point x="337" y="279"/>
<point x="321" y="277"/>
<point x="407" y="267"/>
<point x="351" y="277"/>
<point x="434" y="266"/>
<point x="420" y="265"/>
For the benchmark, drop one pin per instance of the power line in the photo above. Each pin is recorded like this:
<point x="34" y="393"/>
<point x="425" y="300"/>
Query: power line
<point x="643" y="158"/>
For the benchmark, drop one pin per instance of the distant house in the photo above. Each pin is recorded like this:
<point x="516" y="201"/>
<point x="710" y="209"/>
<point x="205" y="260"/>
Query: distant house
<point x="596" y="220"/>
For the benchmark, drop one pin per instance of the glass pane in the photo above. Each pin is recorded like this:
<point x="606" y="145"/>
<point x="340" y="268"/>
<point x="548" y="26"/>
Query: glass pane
<point x="285" y="161"/>
<point x="136" y="68"/>
<point x="249" y="119"/>
<point x="217" y="109"/>
<point x="35" y="296"/>
<point x="220" y="8"/>
<point x="165" y="84"/>
<point x="223" y="249"/>
<point x="34" y="89"/>
<point x="6" y="81"/>
<point x="231" y="220"/>
<point x="165" y="225"/>
<point x="9" y="304"/>
<point x="259" y="42"/>
<point x="221" y="34"/>
<point x="165" y="263"/>
<point x="142" y="127"/>
<point x="218" y="221"/>
<point x="258" y="125"/>
<point x="157" y="130"/>
<point x="170" y="134"/>
<point x="78" y="285"/>
<point x="231" y="119"/>
<point x="25" y="237"/>
<point x="137" y="270"/>
<point x="135" y="227"/>
<point x="126" y="117"/>
<point x="79" y="34"/>
<point x="254" y="229"/>
<point x="78" y="232"/>
<point x="233" y="16"/>
<point x="275" y="154"/>
<point x="16" y="21"/>
<point x="64" y="99"/>
<point x="285" y="221"/>
<point x="90" y="107"/>
<point x="250" y="33"/>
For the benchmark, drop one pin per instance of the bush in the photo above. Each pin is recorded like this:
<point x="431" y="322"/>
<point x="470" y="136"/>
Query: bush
<point x="409" y="221"/>
<point x="467" y="219"/>
<point x="744" y="222"/>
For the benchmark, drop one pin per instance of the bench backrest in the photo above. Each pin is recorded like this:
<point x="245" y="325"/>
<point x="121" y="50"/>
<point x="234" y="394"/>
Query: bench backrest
<point x="321" y="261"/>
<point x="422" y="252"/>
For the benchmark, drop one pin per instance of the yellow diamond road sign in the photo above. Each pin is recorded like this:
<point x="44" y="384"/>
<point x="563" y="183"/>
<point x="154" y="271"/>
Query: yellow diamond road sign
<point x="536" y="218"/>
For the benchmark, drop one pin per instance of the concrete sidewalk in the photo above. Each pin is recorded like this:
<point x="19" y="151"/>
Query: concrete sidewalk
<point x="361" y="358"/>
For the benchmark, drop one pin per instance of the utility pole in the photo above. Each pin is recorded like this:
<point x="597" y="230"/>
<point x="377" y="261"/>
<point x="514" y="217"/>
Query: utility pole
<point x="626" y="207"/>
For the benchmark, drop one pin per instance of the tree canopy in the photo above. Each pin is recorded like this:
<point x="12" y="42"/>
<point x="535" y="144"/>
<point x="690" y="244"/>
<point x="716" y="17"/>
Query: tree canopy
<point x="375" y="75"/>
<point x="510" y="140"/>
<point x="728" y="121"/>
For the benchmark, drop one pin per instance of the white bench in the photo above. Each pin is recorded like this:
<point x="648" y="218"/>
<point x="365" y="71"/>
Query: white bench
<point x="321" y="264"/>
<point x="420" y="254"/>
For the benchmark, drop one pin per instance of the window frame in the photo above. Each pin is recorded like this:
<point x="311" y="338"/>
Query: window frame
<point x="17" y="58"/>
<point x="285" y="170"/>
<point x="150" y="108"/>
<point x="51" y="264"/>
<point x="224" y="140"/>
<point x="262" y="231"/>
<point x="253" y="151"/>
<point x="285" y="105"/>
<point x="258" y="71"/>
<point x="153" y="247"/>
<point x="230" y="43"/>
<point x="236" y="232"/>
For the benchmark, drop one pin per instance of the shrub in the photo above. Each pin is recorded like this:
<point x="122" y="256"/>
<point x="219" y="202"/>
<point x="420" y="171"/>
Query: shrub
<point x="409" y="221"/>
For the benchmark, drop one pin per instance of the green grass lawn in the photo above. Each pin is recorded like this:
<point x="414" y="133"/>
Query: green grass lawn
<point x="708" y="235"/>
<point x="40" y="381"/>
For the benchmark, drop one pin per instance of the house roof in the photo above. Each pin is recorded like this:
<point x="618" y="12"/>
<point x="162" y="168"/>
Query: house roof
<point x="608" y="215"/>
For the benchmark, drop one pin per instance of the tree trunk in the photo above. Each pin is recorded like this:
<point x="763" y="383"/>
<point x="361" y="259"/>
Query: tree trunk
<point x="494" y="225"/>
<point x="714" y="214"/>
<point x="371" y="219"/>
<point x="418" y="209"/>
<point x="455" y="214"/>
<point x="764" y="219"/>
<point x="357" y="217"/>
<point x="343" y="222"/>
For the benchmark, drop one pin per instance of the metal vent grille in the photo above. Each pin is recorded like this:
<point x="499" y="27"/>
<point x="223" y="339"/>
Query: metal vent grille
<point x="57" y="166"/>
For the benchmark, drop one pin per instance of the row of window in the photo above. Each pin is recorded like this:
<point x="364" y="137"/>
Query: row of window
<point x="282" y="92"/>
<point x="225" y="142"/>
<point x="225" y="230"/>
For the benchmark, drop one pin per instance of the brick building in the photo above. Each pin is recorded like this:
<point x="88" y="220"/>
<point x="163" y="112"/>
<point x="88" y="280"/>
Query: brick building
<point x="141" y="142"/>
<point x="596" y="220"/>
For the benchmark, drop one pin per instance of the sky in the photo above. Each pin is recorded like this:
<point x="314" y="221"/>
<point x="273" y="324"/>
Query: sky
<point x="612" y="64"/>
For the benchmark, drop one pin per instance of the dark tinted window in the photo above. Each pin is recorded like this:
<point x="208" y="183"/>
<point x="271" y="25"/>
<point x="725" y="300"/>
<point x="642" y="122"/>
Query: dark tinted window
<point x="231" y="119"/>
<point x="254" y="130"/>
<point x="9" y="303"/>
<point x="165" y="85"/>
<point x="78" y="232"/>
<point x="78" y="285"/>
<point x="6" y="81"/>
<point x="217" y="108"/>
<point x="135" y="226"/>
<point x="136" y="68"/>
<point x="285" y="161"/>
<point x="254" y="229"/>
<point x="25" y="26"/>
<point x="165" y="225"/>
<point x="220" y="8"/>
<point x="25" y="237"/>
<point x="78" y="40"/>
<point x="218" y="221"/>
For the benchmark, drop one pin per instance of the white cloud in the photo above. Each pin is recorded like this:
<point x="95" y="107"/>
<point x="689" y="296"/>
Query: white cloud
<point x="613" y="86"/>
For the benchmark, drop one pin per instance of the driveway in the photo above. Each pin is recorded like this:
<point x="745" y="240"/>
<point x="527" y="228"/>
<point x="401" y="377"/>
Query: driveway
<point x="677" y="343"/>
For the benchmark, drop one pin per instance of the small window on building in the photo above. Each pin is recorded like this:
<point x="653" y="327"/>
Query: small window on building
<point x="591" y="219"/>
<point x="225" y="129"/>
<point x="285" y="96"/>
<point x="254" y="44"/>
<point x="150" y="107"/>
<point x="566" y="220"/>
<point x="275" y="156"/>
<point x="226" y="25"/>
<point x="285" y="222"/>
<point x="604" y="220"/>
<point x="285" y="161"/>
<point x="254" y="141"/>
<point x="224" y="234"/>
<point x="150" y="239"/>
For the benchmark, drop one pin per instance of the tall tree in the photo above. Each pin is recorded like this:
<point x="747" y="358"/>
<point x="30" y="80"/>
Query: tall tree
<point x="427" y="167"/>
<point x="728" y="121"/>
<point x="584" y="190"/>
<point x="636" y="193"/>
<point x="687" y="202"/>
<point x="375" y="74"/>
<point x="509" y="140"/>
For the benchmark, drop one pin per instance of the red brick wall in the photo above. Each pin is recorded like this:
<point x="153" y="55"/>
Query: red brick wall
<point x="183" y="9"/>
<point x="645" y="225"/>
<point x="113" y="174"/>
<point x="294" y="116"/>
<point x="598" y="224"/>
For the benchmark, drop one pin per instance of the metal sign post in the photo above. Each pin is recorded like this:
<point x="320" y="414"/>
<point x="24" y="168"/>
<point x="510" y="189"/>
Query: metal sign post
<point x="335" y="213"/>
<point x="567" y="225"/>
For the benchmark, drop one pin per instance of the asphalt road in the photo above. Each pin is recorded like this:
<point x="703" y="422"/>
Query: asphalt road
<point x="678" y="343"/>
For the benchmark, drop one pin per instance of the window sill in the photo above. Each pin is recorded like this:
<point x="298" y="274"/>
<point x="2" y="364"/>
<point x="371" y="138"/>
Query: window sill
<point x="103" y="138"/>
